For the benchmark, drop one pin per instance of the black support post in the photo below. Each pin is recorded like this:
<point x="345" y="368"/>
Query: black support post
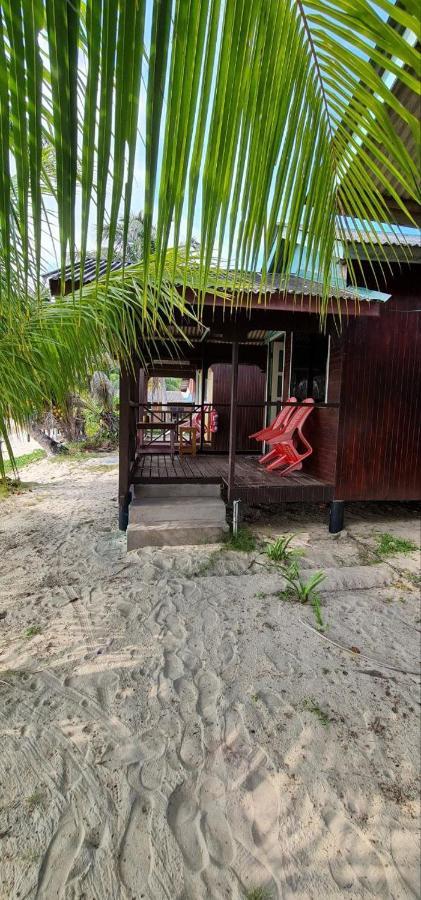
<point x="124" y="455"/>
<point x="336" y="517"/>
<point x="233" y="421"/>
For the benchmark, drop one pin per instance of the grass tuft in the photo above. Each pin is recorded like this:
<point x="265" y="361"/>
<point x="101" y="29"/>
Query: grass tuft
<point x="32" y="631"/>
<point x="279" y="550"/>
<point x="244" y="541"/>
<point x="258" y="893"/>
<point x="314" y="708"/>
<point x="24" y="460"/>
<point x="317" y="609"/>
<point x="388" y="545"/>
<point x="36" y="799"/>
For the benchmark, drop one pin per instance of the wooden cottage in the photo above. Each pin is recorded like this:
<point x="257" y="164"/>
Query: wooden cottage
<point x="363" y="371"/>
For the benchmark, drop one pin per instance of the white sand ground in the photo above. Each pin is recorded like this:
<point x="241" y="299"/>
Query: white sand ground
<point x="159" y="737"/>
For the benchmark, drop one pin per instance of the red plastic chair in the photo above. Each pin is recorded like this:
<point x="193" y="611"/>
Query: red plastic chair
<point x="286" y="453"/>
<point x="212" y="425"/>
<point x="278" y="425"/>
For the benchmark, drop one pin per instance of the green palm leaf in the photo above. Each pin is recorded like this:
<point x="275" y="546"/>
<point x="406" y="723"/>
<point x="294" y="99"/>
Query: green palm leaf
<point x="265" y="119"/>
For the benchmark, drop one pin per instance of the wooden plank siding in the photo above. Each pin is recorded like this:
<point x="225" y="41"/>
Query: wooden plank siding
<point x="380" y="411"/>
<point x="250" y="389"/>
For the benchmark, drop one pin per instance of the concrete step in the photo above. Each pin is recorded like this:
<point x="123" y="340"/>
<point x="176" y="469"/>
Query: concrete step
<point x="173" y="519"/>
<point x="177" y="509"/>
<point x="171" y="534"/>
<point x="165" y="491"/>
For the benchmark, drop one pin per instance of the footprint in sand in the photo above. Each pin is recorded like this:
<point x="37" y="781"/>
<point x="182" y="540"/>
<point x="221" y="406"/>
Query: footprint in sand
<point x="183" y="819"/>
<point x="405" y="852"/>
<point x="355" y="855"/>
<point x="60" y="858"/>
<point x="217" y="834"/>
<point x="209" y="686"/>
<point x="191" y="750"/>
<point x="187" y="695"/>
<point x="173" y="666"/>
<point x="264" y="789"/>
<point x="135" y="855"/>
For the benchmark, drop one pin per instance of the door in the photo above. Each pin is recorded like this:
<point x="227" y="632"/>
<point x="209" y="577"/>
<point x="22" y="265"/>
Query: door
<point x="275" y="377"/>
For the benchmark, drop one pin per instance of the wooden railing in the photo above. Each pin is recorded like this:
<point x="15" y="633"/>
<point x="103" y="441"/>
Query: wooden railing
<point x="183" y="413"/>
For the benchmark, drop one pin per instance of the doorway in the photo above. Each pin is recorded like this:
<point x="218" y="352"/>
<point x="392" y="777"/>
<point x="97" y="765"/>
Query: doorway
<point x="309" y="366"/>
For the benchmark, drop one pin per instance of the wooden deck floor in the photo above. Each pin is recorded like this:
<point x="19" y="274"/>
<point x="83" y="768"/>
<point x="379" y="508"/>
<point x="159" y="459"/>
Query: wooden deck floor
<point x="252" y="482"/>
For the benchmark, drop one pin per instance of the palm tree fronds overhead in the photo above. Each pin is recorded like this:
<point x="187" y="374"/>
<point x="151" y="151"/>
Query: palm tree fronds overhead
<point x="264" y="118"/>
<point x="48" y="348"/>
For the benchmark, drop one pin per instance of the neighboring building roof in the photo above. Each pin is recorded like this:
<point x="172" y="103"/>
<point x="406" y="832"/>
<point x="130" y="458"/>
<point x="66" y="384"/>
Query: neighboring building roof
<point x="89" y="273"/>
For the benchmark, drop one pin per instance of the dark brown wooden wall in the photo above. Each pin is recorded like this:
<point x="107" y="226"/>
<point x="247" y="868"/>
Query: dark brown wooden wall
<point x="251" y="389"/>
<point x="380" y="415"/>
<point x="321" y="428"/>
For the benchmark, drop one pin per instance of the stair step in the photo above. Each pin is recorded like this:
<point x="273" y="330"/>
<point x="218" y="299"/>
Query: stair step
<point x="154" y="510"/>
<point x="173" y="534"/>
<point x="144" y="491"/>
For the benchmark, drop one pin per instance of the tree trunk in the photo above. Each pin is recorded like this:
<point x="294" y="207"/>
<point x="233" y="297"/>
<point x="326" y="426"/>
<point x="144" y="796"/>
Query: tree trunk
<point x="47" y="443"/>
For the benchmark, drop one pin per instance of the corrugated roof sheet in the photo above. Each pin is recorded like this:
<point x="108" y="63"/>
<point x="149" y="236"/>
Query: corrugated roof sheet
<point x="395" y="238"/>
<point x="89" y="272"/>
<point x="295" y="285"/>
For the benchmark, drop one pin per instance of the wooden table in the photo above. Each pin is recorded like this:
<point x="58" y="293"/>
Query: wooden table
<point x="190" y="445"/>
<point x="162" y="427"/>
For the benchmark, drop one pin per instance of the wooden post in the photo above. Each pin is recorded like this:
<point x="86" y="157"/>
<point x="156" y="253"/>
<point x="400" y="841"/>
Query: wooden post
<point x="143" y="398"/>
<point x="133" y="410"/>
<point x="124" y="461"/>
<point x="233" y="421"/>
<point x="202" y="402"/>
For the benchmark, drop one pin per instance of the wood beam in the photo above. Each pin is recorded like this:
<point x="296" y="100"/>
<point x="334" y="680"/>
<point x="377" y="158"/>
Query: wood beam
<point x="233" y="421"/>
<point x="278" y="300"/>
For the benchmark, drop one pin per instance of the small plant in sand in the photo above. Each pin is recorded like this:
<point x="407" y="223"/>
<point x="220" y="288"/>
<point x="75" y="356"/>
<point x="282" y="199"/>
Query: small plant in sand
<point x="414" y="578"/>
<point x="388" y="545"/>
<point x="32" y="631"/>
<point x="244" y="541"/>
<point x="36" y="799"/>
<point x="304" y="591"/>
<point x="300" y="590"/>
<point x="280" y="550"/>
<point x="314" y="708"/>
<point x="317" y="609"/>
<point x="258" y="893"/>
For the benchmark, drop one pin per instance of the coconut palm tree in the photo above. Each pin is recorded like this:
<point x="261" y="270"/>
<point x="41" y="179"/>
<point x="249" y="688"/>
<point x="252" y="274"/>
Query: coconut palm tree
<point x="48" y="349"/>
<point x="264" y="117"/>
<point x="265" y="121"/>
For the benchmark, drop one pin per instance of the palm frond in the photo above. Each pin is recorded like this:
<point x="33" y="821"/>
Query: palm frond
<point x="49" y="348"/>
<point x="265" y="120"/>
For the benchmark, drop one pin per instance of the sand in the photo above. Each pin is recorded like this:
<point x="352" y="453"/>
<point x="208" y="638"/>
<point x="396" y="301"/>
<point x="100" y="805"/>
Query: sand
<point x="171" y="728"/>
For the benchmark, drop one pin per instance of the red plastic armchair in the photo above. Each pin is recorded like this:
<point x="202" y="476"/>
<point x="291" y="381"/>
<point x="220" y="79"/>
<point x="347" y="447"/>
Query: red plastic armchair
<point x="278" y="425"/>
<point x="286" y="453"/>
